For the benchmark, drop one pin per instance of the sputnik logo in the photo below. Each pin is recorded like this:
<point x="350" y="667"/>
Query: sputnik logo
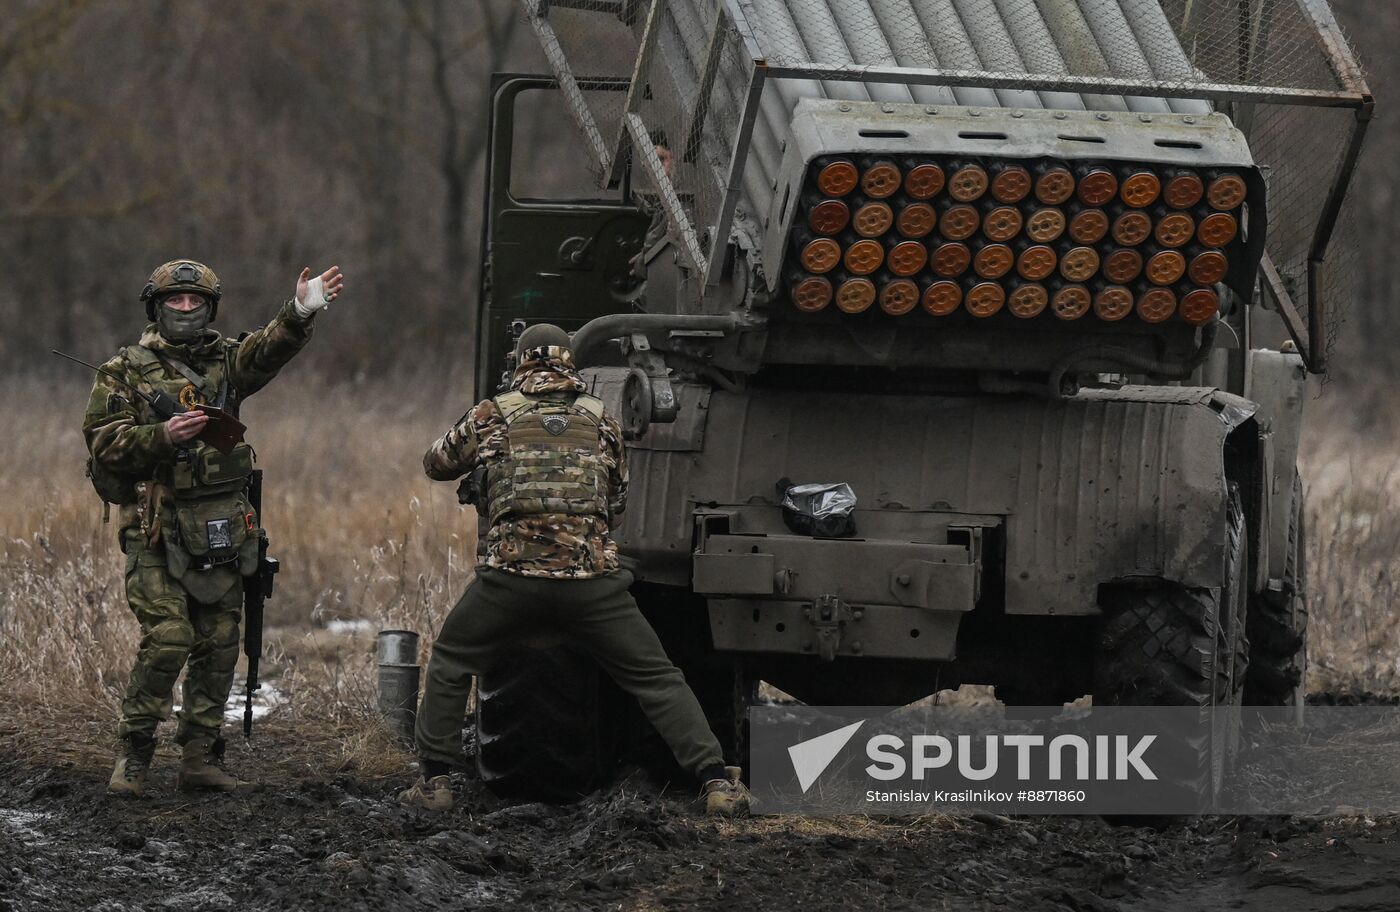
<point x="810" y="758"/>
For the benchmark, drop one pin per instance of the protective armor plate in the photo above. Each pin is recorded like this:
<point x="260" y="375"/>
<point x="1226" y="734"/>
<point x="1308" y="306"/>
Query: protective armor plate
<point x="555" y="463"/>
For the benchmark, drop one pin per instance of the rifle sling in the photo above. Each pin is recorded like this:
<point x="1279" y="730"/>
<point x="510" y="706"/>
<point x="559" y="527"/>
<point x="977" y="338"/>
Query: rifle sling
<point x="200" y="383"/>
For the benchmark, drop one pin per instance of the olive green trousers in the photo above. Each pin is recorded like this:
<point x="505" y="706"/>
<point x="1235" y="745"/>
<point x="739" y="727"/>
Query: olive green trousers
<point x="598" y="614"/>
<point x="177" y="633"/>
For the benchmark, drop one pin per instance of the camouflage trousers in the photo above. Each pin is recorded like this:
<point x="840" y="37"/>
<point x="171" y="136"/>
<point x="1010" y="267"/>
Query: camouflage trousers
<point x="500" y="608"/>
<point x="178" y="633"/>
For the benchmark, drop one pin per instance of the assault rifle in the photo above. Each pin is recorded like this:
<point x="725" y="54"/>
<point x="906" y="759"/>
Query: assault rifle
<point x="472" y="488"/>
<point x="256" y="590"/>
<point x="223" y="432"/>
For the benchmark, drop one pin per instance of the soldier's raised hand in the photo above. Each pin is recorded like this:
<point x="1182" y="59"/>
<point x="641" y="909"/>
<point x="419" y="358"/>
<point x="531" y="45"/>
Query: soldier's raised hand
<point x="315" y="293"/>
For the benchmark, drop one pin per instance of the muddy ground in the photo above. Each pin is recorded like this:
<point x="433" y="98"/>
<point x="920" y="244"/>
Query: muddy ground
<point x="305" y="841"/>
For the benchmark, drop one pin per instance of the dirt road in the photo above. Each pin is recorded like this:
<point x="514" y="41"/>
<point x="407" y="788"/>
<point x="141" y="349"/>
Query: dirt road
<point x="305" y="842"/>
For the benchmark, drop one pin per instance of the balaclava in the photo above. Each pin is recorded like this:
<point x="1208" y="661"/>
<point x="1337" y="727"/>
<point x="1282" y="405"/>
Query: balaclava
<point x="183" y="326"/>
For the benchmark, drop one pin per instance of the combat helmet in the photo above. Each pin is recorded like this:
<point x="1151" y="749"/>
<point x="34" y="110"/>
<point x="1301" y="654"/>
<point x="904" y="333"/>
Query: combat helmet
<point x="539" y="335"/>
<point x="182" y="275"/>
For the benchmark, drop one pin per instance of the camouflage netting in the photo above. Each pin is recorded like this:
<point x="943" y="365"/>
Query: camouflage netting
<point x="1190" y="45"/>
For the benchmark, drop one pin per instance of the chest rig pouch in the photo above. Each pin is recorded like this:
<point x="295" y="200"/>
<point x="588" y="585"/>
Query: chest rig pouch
<point x="215" y="525"/>
<point x="554" y="461"/>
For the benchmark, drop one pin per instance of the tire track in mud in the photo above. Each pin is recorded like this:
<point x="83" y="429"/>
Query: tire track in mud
<point x="347" y="845"/>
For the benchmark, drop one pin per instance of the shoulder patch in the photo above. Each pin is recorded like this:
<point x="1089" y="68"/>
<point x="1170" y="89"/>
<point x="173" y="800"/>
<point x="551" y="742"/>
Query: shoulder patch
<point x="590" y="404"/>
<point x="511" y="403"/>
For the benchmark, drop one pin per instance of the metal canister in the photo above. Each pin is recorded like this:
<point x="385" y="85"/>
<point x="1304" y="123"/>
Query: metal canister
<point x="397" y="655"/>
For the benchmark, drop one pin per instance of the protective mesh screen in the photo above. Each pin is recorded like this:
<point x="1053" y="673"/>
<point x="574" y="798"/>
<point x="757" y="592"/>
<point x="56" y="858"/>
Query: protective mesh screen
<point x="696" y="80"/>
<point x="698" y="83"/>
<point x="1300" y="151"/>
<point x="691" y="98"/>
<point x="585" y="40"/>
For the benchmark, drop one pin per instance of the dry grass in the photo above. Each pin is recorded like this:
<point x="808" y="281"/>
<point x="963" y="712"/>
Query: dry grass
<point x="360" y="531"/>
<point x="1353" y="532"/>
<point x="363" y="534"/>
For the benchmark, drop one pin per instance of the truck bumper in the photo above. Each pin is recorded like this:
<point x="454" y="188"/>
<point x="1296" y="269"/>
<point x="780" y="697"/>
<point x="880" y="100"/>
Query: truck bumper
<point x="826" y="597"/>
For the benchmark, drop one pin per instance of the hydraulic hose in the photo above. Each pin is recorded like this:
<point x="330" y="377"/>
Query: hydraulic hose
<point x="615" y="326"/>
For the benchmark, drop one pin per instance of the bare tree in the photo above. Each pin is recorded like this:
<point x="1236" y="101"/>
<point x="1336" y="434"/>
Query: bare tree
<point x="463" y="117"/>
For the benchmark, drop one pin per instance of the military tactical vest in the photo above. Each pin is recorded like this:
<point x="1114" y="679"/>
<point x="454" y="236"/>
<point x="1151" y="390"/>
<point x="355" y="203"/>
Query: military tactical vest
<point x="147" y="372"/>
<point x="554" y="458"/>
<point x="213" y="524"/>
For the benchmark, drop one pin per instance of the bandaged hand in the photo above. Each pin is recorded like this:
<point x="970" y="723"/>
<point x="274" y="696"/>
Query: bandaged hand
<point x="315" y="293"/>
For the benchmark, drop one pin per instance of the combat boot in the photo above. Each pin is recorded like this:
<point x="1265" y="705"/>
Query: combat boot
<point x="202" y="769"/>
<point x="129" y="776"/>
<point x="727" y="797"/>
<point x="433" y="794"/>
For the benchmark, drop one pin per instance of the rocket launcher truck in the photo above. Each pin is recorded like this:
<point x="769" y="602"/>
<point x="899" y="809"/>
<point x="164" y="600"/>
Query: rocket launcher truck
<point x="1039" y="282"/>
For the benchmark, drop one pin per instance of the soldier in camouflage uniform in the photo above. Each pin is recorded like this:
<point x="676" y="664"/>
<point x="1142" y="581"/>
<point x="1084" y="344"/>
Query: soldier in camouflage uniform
<point x="556" y="480"/>
<point x="186" y="528"/>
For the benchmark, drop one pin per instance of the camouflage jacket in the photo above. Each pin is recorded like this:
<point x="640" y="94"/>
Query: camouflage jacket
<point x="123" y="434"/>
<point x="552" y="545"/>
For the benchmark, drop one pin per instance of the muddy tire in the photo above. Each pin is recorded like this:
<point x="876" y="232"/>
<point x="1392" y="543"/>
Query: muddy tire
<point x="546" y="725"/>
<point x="1278" y="624"/>
<point x="1170" y="645"/>
<point x="721" y="683"/>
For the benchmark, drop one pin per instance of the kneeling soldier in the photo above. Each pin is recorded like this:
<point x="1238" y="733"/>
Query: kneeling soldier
<point x="187" y="529"/>
<point x="550" y="563"/>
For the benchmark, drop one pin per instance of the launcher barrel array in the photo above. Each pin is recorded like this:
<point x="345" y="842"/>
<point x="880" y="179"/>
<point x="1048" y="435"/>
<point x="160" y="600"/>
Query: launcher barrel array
<point x="1031" y="236"/>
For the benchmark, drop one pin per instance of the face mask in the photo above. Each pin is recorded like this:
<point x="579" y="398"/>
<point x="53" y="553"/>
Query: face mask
<point x="183" y="326"/>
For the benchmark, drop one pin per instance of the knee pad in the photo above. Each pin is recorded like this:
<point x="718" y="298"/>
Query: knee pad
<point x="223" y="632"/>
<point x="223" y="657"/>
<point x="170" y="644"/>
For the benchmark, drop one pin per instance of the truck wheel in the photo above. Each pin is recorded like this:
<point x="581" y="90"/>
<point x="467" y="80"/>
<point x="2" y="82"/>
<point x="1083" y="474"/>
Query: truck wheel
<point x="1278" y="624"/>
<point x="546" y="725"/>
<point x="722" y="683"/>
<point x="1170" y="645"/>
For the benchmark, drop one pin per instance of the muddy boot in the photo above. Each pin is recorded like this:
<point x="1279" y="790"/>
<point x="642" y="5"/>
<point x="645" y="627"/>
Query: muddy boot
<point x="201" y="768"/>
<point x="727" y="797"/>
<point x="129" y="776"/>
<point x="433" y="794"/>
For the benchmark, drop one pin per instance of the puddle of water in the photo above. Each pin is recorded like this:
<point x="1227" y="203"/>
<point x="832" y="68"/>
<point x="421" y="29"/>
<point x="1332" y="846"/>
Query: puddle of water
<point x="351" y="626"/>
<point x="22" y="824"/>
<point x="265" y="698"/>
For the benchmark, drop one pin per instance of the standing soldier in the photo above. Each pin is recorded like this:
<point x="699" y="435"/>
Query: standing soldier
<point x="187" y="529"/>
<point x="556" y="480"/>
